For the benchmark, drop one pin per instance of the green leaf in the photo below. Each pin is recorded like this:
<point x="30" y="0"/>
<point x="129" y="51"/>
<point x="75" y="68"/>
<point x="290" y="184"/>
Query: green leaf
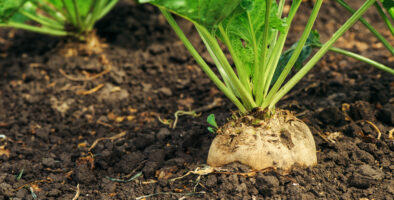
<point x="56" y="3"/>
<point x="8" y="8"/>
<point x="37" y="8"/>
<point x="247" y="4"/>
<point x="83" y="6"/>
<point x="211" y="120"/>
<point x="212" y="130"/>
<point x="389" y="6"/>
<point x="208" y="13"/>
<point x="312" y="41"/>
<point x="242" y="30"/>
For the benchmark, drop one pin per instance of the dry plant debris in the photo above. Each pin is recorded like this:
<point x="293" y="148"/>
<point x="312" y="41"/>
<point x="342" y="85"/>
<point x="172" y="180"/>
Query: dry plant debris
<point x="346" y="107"/>
<point x="117" y="136"/>
<point x="78" y="192"/>
<point x="194" y="113"/>
<point x="125" y="180"/>
<point x="91" y="91"/>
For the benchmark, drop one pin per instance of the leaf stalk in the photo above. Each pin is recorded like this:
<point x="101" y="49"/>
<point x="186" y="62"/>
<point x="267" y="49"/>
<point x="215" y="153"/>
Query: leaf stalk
<point x="326" y="47"/>
<point x="201" y="61"/>
<point x="296" y="54"/>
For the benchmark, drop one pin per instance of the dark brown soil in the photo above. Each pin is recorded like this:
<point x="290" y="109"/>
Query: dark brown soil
<point x="48" y="122"/>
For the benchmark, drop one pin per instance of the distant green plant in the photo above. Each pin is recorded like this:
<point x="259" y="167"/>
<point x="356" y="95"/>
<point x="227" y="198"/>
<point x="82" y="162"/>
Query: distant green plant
<point x="389" y="7"/>
<point x="54" y="17"/>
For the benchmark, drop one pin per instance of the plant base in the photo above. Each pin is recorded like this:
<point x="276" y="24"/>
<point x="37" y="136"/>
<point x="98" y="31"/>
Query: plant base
<point x="280" y="142"/>
<point x="92" y="44"/>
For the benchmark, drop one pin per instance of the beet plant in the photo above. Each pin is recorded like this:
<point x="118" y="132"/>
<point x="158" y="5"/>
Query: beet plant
<point x="54" y="17"/>
<point x="255" y="32"/>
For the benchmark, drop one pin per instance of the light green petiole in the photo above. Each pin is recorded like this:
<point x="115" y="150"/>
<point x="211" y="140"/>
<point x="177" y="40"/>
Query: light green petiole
<point x="95" y="14"/>
<point x="279" y="14"/>
<point x="245" y="96"/>
<point x="385" y="18"/>
<point x="369" y="26"/>
<point x="107" y="8"/>
<point x="218" y="62"/>
<point x="273" y="60"/>
<point x="49" y="23"/>
<point x="68" y="13"/>
<point x="326" y="47"/>
<point x="35" y="29"/>
<point x="363" y="59"/>
<point x="201" y="61"/>
<point x="77" y="16"/>
<point x="243" y="75"/>
<point x="261" y="67"/>
<point x="296" y="53"/>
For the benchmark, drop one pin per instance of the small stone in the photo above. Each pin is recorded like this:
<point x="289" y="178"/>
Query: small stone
<point x="43" y="133"/>
<point x="332" y="116"/>
<point x="162" y="134"/>
<point x="362" y="110"/>
<point x="143" y="140"/>
<point x="386" y="114"/>
<point x="54" y="193"/>
<point x="55" y="139"/>
<point x="118" y="76"/>
<point x="157" y="156"/>
<point x="93" y="64"/>
<point x="146" y="87"/>
<point x="2" y="177"/>
<point x="241" y="187"/>
<point x="365" y="177"/>
<point x="343" y="63"/>
<point x="307" y="196"/>
<point x="166" y="91"/>
<point x="84" y="174"/>
<point x="150" y="168"/>
<point x="375" y="174"/>
<point x="22" y="193"/>
<point x="56" y="177"/>
<point x="61" y="106"/>
<point x="337" y="78"/>
<point x="109" y="187"/>
<point x="211" y="181"/>
<point x="390" y="187"/>
<point x="365" y="157"/>
<point x="175" y="161"/>
<point x="31" y="99"/>
<point x="128" y="162"/>
<point x="6" y="189"/>
<point x="361" y="46"/>
<point x="353" y="130"/>
<point x="267" y="185"/>
<point x="110" y="93"/>
<point x="379" y="94"/>
<point x="155" y="49"/>
<point x="49" y="162"/>
<point x="65" y="157"/>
